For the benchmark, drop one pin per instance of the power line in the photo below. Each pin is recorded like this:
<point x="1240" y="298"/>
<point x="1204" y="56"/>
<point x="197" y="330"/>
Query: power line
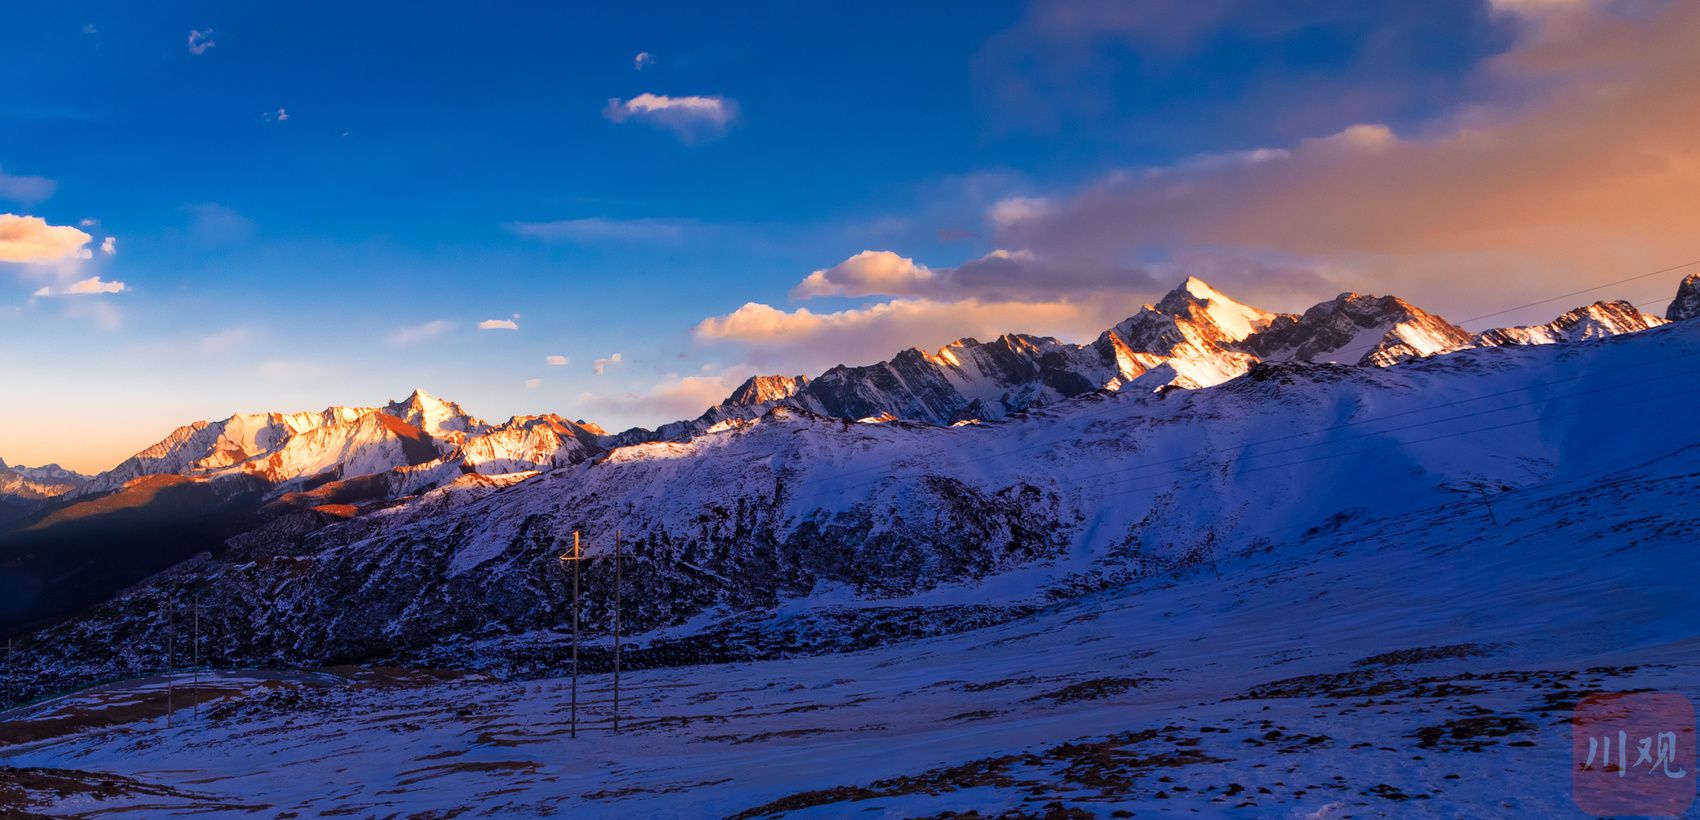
<point x="1580" y="292"/>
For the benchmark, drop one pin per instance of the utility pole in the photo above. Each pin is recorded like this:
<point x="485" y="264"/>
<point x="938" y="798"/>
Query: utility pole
<point x="574" y="558"/>
<point x="1486" y="502"/>
<point x="170" y="656"/>
<point x="619" y="563"/>
<point x="197" y="657"/>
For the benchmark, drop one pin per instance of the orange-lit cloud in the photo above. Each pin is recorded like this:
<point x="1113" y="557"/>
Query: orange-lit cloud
<point x="30" y="240"/>
<point x="1579" y="167"/>
<point x="802" y="339"/>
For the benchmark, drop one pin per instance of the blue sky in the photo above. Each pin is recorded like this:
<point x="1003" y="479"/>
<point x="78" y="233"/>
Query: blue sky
<point x="316" y="204"/>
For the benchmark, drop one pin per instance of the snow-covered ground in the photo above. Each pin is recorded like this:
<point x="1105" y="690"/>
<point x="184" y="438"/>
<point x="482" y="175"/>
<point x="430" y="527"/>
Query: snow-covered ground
<point x="1316" y="591"/>
<point x="1278" y="682"/>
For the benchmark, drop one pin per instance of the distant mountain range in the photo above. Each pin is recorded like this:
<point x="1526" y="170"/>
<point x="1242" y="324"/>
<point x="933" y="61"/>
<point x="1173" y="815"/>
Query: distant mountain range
<point x="1193" y="337"/>
<point x="930" y="493"/>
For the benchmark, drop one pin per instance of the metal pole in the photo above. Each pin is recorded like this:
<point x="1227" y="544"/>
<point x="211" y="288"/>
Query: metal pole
<point x="576" y="556"/>
<point x="197" y="657"/>
<point x="170" y="656"/>
<point x="617" y="631"/>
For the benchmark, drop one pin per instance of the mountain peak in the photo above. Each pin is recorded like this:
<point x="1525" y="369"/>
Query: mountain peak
<point x="1686" y="305"/>
<point x="438" y="417"/>
<point x="762" y="389"/>
<point x="1196" y="301"/>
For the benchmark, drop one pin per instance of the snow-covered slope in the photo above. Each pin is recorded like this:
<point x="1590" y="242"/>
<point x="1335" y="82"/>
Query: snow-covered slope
<point x="1315" y="591"/>
<point x="1052" y="503"/>
<point x="1422" y="663"/>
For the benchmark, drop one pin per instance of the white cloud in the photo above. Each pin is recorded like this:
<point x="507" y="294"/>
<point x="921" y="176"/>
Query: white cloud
<point x="200" y="41"/>
<point x="691" y="118"/>
<point x="555" y="361"/>
<point x="109" y="245"/>
<point x="92" y="286"/>
<point x="1017" y="209"/>
<point x="643" y="60"/>
<point x="498" y="324"/>
<point x="532" y="383"/>
<point x="415" y="334"/>
<point x="30" y="240"/>
<point x="804" y="341"/>
<point x="42" y="292"/>
<point x="597" y="228"/>
<point x="601" y="365"/>
<point x="280" y="115"/>
<point x="868" y="272"/>
<point x="25" y="190"/>
<point x="999" y="276"/>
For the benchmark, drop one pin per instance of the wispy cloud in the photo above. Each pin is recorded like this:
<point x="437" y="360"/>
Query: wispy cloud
<point x="25" y="190"/>
<point x="289" y="369"/>
<point x="498" y="324"/>
<point x="691" y="118"/>
<point x="225" y="340"/>
<point x="200" y="41"/>
<point x="213" y="224"/>
<point x="415" y="334"/>
<point x="92" y="286"/>
<point x="555" y="361"/>
<point x="643" y="60"/>
<point x="601" y="365"/>
<point x="109" y="246"/>
<point x="532" y="384"/>
<point x="594" y="229"/>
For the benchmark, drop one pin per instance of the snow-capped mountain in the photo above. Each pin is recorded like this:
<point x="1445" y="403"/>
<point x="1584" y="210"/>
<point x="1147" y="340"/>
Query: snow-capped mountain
<point x="1686" y="305"/>
<point x="25" y="484"/>
<point x="796" y="506"/>
<point x="1195" y="336"/>
<point x="1356" y="329"/>
<point x="453" y="562"/>
<point x="1595" y="321"/>
<point x="418" y="442"/>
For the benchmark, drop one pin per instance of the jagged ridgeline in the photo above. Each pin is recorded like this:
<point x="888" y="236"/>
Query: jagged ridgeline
<point x="416" y="533"/>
